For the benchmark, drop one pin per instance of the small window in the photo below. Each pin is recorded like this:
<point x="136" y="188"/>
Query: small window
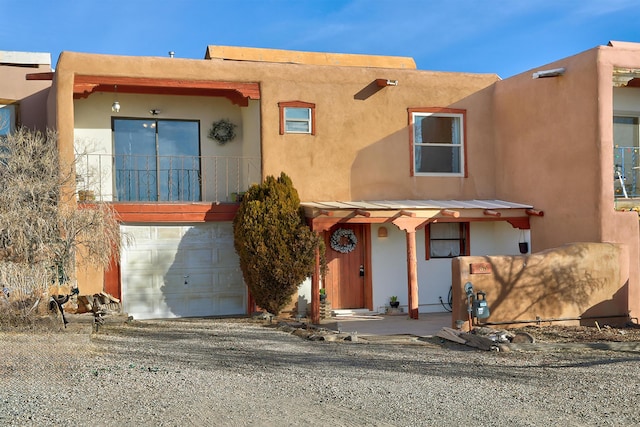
<point x="438" y="142"/>
<point x="8" y="118"/>
<point x="297" y="117"/>
<point x="447" y="240"/>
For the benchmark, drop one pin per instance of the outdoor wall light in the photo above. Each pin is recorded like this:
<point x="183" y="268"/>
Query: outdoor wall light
<point x="548" y="73"/>
<point x="115" y="107"/>
<point x="154" y="111"/>
<point x="383" y="232"/>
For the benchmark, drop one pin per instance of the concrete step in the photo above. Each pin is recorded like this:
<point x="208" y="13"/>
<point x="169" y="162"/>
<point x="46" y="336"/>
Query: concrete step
<point x="353" y="312"/>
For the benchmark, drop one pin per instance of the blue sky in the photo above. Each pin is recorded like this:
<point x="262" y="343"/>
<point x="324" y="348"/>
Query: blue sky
<point x="505" y="37"/>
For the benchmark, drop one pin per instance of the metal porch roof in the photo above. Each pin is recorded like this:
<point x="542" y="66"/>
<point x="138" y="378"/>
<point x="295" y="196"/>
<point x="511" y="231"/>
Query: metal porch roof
<point x="415" y="205"/>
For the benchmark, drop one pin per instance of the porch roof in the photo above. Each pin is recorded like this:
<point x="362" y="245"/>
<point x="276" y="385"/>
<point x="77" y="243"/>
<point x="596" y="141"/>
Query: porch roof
<point x="416" y="204"/>
<point x="380" y="211"/>
<point x="380" y="207"/>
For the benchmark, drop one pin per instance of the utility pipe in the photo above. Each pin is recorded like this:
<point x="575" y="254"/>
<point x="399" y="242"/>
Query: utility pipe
<point x="555" y="319"/>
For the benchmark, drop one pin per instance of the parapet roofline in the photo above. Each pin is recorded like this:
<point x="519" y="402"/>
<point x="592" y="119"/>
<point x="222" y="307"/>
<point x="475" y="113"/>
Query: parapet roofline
<point x="624" y="45"/>
<point x="233" y="53"/>
<point x="25" y="58"/>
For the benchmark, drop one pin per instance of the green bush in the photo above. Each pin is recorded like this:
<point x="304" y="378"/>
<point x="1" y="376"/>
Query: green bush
<point x="275" y="246"/>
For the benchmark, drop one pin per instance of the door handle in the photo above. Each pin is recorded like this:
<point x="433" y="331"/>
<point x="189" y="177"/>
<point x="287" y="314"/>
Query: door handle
<point x="362" y="271"/>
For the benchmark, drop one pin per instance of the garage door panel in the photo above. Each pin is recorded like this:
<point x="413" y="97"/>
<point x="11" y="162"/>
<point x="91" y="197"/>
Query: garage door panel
<point x="154" y="269"/>
<point x="165" y="257"/>
<point x="139" y="259"/>
<point x="230" y="304"/>
<point x="198" y="258"/>
<point x="169" y="232"/>
<point x="142" y="283"/>
<point x="227" y="279"/>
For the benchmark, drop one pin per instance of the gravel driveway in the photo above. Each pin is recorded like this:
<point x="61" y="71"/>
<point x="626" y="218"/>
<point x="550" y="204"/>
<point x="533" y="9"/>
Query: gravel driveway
<point x="240" y="373"/>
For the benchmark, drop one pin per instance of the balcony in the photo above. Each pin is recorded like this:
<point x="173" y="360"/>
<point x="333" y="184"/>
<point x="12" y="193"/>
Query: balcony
<point x="186" y="179"/>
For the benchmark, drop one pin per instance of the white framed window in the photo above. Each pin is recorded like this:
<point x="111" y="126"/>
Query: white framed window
<point x="438" y="142"/>
<point x="8" y="118"/>
<point x="297" y="120"/>
<point x="447" y="240"/>
<point x="297" y="117"/>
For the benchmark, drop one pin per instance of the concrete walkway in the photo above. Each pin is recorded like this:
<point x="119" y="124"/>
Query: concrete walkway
<point x="427" y="325"/>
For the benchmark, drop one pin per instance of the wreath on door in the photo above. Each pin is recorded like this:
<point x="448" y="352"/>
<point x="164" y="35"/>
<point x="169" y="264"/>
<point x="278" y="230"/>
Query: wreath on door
<point x="343" y="240"/>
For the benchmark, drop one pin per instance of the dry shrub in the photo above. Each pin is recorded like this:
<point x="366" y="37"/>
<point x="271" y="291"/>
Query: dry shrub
<point x="24" y="298"/>
<point x="43" y="232"/>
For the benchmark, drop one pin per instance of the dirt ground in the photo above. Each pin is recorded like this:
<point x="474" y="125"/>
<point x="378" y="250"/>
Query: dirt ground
<point x="548" y="333"/>
<point x="239" y="372"/>
<point x="582" y="334"/>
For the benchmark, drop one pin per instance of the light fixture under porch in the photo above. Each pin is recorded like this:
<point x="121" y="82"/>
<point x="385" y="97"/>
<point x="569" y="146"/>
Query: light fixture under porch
<point x="115" y="107"/>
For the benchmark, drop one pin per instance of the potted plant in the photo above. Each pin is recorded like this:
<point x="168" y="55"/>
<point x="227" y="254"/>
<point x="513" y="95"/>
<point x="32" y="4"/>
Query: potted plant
<point x="393" y="302"/>
<point x="323" y="295"/>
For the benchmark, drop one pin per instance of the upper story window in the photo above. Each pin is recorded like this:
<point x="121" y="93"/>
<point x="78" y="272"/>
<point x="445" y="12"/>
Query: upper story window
<point x="8" y="118"/>
<point x="297" y="117"/>
<point x="438" y="141"/>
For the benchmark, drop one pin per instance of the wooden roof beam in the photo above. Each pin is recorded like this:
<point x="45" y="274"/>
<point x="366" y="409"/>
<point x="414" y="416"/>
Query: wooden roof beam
<point x="362" y="212"/>
<point x="407" y="213"/>
<point x="451" y="213"/>
<point x="534" y="212"/>
<point x="490" y="212"/>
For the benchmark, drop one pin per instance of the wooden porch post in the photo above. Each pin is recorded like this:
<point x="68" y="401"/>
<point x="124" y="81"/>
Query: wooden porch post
<point x="410" y="225"/>
<point x="412" y="274"/>
<point x="319" y="225"/>
<point x="315" y="291"/>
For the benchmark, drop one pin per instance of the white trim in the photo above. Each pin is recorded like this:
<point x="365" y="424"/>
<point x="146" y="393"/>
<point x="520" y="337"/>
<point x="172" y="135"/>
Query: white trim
<point x="296" y="120"/>
<point x="459" y="145"/>
<point x="25" y="58"/>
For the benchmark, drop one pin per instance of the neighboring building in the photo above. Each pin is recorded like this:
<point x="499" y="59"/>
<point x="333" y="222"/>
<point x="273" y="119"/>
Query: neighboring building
<point x="23" y="102"/>
<point x="401" y="169"/>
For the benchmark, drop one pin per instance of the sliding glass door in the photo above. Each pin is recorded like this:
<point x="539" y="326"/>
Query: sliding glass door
<point x="157" y="160"/>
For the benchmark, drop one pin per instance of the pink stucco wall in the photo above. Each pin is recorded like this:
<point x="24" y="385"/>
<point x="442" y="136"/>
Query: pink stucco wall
<point x="30" y="94"/>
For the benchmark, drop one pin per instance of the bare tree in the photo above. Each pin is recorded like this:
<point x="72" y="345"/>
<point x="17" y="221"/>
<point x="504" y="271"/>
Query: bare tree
<point x="40" y="221"/>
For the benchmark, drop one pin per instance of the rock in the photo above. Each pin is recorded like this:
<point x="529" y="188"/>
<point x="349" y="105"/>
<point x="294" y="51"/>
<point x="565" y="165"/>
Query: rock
<point x="523" y="338"/>
<point x="353" y="337"/>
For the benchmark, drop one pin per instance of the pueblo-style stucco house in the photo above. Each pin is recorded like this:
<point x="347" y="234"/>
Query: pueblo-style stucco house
<point x="419" y="181"/>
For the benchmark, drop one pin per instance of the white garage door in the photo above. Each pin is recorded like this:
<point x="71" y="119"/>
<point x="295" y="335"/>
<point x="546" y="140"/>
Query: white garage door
<point x="181" y="271"/>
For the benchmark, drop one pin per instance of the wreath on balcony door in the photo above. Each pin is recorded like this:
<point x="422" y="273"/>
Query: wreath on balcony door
<point x="222" y="131"/>
<point x="343" y="240"/>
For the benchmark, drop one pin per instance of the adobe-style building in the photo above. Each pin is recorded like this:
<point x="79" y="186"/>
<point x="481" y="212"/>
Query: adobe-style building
<point x="23" y="102"/>
<point x="402" y="170"/>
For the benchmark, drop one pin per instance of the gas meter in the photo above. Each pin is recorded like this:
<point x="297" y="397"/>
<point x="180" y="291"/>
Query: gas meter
<point x="480" y="306"/>
<point x="477" y="305"/>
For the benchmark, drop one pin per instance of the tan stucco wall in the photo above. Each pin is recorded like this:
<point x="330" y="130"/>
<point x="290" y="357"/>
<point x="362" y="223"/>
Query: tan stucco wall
<point x="582" y="280"/>
<point x="342" y="161"/>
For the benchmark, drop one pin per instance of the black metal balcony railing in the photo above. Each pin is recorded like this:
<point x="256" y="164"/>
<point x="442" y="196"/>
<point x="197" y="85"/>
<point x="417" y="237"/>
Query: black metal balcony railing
<point x="165" y="178"/>
<point x="626" y="173"/>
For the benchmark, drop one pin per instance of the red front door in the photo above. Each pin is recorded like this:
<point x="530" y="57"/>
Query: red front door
<point x="345" y="281"/>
